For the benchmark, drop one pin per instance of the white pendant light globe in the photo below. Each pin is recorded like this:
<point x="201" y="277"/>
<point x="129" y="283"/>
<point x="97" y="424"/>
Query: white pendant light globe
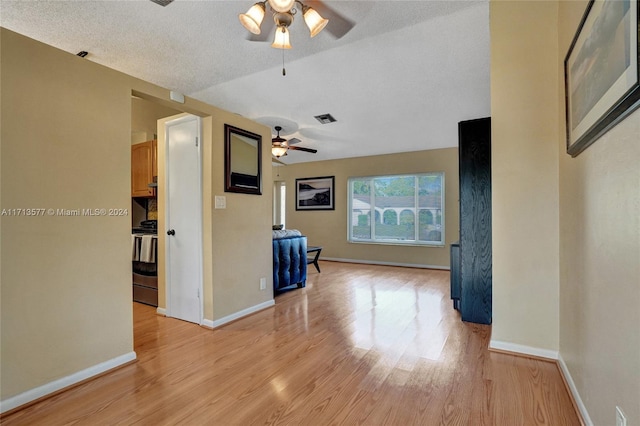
<point x="253" y="18"/>
<point x="278" y="151"/>
<point x="281" y="40"/>
<point x="314" y="21"/>
<point x="281" y="5"/>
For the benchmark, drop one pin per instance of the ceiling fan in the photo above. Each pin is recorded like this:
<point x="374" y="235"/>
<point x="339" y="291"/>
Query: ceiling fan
<point x="280" y="146"/>
<point x="283" y="12"/>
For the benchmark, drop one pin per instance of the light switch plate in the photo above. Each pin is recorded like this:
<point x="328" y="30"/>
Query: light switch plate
<point x="220" y="202"/>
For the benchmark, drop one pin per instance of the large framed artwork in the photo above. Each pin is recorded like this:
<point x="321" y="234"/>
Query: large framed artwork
<point x="315" y="193"/>
<point x="601" y="72"/>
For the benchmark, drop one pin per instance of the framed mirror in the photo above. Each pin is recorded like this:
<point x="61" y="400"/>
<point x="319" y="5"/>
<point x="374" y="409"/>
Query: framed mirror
<point x="242" y="165"/>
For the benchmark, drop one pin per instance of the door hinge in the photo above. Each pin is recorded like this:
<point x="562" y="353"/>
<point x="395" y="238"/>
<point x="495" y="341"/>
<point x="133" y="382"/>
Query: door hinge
<point x="196" y="142"/>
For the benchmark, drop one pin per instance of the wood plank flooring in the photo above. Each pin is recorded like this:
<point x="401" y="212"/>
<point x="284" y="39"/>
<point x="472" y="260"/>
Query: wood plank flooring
<point x="360" y="345"/>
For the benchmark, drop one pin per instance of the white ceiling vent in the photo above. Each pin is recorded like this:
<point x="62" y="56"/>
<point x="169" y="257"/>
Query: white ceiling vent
<point x="325" y="118"/>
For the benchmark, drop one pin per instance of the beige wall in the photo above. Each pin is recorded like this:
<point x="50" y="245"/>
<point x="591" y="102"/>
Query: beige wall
<point x="144" y="118"/>
<point x="525" y="134"/>
<point x="231" y="237"/>
<point x="66" y="281"/>
<point x="242" y="250"/>
<point x="566" y="234"/>
<point x="600" y="260"/>
<point x="329" y="228"/>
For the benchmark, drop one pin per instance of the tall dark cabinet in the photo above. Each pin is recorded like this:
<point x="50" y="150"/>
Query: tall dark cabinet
<point x="471" y="274"/>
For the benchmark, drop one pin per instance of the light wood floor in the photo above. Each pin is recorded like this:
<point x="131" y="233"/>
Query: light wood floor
<point x="361" y="345"/>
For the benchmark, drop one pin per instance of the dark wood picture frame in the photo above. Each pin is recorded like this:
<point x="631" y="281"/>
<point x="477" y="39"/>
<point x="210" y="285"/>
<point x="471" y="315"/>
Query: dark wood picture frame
<point x="602" y="71"/>
<point x="242" y="161"/>
<point x="316" y="193"/>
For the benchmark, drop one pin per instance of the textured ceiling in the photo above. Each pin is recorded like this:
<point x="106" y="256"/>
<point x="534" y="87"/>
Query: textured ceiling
<point x="399" y="80"/>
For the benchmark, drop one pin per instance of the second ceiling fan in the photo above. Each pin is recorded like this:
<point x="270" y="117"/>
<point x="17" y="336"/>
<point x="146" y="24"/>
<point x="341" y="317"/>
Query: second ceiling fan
<point x="280" y="146"/>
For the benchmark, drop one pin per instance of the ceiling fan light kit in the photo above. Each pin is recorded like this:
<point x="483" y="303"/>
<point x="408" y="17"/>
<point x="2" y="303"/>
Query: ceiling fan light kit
<point x="280" y="146"/>
<point x="281" y="39"/>
<point x="314" y="21"/>
<point x="253" y="18"/>
<point x="283" y="11"/>
<point x="278" y="151"/>
<point x="281" y="5"/>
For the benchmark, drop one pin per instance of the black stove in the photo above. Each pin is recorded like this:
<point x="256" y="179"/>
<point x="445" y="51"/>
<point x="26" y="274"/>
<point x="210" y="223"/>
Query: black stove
<point x="144" y="231"/>
<point x="146" y="227"/>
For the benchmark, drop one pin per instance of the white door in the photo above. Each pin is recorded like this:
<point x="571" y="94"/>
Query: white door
<point x="184" y="219"/>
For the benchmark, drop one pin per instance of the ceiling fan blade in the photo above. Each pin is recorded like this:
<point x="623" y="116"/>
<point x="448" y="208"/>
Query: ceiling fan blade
<point x="338" y="25"/>
<point x="293" y="141"/>
<point x="299" y="148"/>
<point x="266" y="30"/>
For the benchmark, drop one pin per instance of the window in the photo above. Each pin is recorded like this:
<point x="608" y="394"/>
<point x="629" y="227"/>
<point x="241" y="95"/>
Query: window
<point x="403" y="209"/>
<point x="279" y="202"/>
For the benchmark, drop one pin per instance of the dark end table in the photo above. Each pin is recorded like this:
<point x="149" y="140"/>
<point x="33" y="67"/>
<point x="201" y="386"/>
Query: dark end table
<point x="316" y="250"/>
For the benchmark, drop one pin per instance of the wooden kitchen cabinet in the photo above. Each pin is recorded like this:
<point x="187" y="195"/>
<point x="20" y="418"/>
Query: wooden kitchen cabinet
<point x="143" y="167"/>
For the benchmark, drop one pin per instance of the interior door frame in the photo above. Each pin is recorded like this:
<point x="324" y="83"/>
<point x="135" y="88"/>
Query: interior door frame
<point x="167" y="125"/>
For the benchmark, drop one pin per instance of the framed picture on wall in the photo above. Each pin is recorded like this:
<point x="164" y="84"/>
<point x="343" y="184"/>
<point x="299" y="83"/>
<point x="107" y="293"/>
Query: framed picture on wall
<point x="315" y="193"/>
<point x="601" y="72"/>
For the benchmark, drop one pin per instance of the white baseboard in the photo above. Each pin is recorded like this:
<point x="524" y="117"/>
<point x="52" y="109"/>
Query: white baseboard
<point x="574" y="392"/>
<point x="523" y="349"/>
<point x="65" y="382"/>
<point x="375" y="262"/>
<point x="243" y="313"/>
<point x="207" y="323"/>
<point x="161" y="311"/>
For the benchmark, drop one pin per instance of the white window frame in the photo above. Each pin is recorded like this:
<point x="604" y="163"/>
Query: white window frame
<point x="417" y="208"/>
<point x="279" y="202"/>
